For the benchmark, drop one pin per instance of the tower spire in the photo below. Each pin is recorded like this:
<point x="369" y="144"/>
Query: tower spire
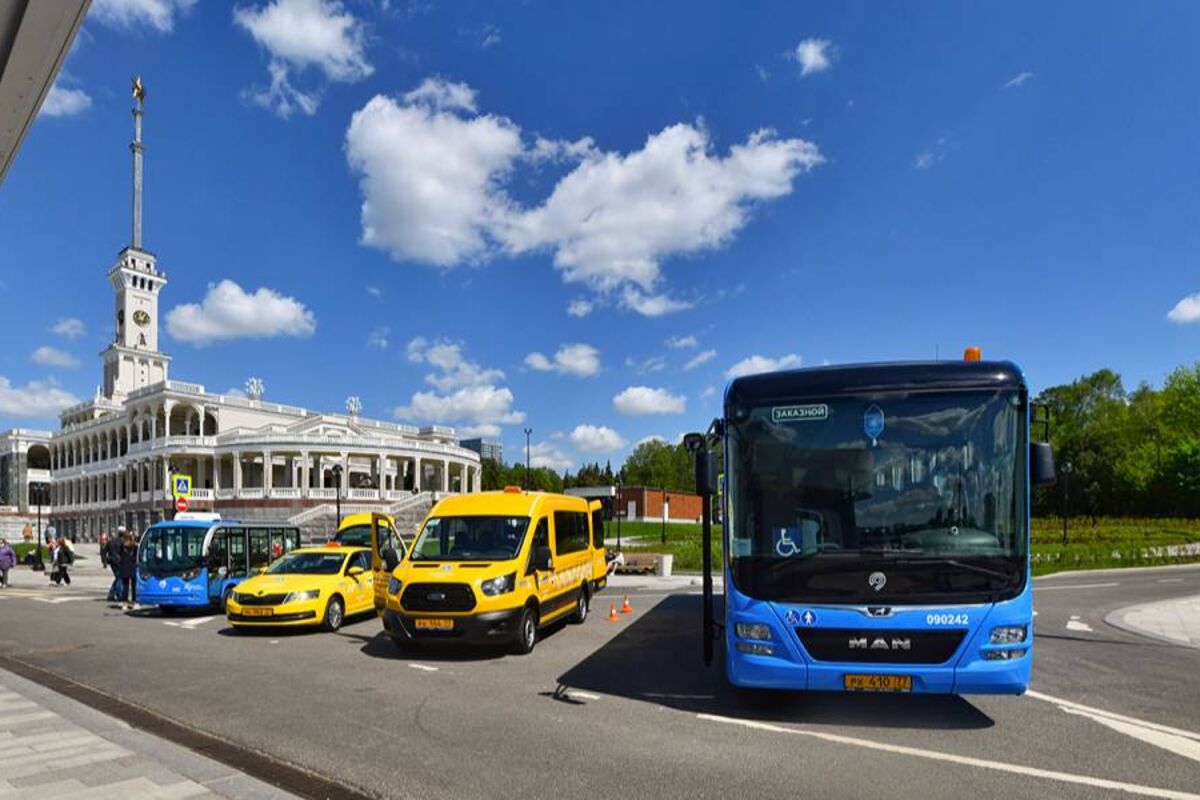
<point x="139" y="96"/>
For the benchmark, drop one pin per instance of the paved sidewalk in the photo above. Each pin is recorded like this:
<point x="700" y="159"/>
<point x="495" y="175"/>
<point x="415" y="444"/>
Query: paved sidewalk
<point x="53" y="747"/>
<point x="1176" y="621"/>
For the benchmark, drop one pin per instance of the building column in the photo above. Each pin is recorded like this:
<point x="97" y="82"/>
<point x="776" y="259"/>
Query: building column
<point x="268" y="469"/>
<point x="305" y="472"/>
<point x="237" y="471"/>
<point x="167" y="406"/>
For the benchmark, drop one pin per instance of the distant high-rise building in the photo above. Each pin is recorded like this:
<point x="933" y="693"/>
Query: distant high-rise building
<point x="486" y="450"/>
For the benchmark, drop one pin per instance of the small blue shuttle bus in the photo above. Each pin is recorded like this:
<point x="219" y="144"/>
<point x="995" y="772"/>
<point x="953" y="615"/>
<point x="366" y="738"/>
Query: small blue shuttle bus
<point x="192" y="562"/>
<point x="876" y="527"/>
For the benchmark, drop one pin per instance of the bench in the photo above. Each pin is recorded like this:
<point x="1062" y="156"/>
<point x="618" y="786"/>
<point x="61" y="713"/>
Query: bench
<point x="640" y="564"/>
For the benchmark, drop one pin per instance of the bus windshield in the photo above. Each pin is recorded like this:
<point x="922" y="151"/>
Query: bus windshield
<point x="470" y="538"/>
<point x="922" y="492"/>
<point x="171" y="549"/>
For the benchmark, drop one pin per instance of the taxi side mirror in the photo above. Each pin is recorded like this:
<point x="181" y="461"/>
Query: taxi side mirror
<point x="543" y="561"/>
<point x="355" y="571"/>
<point x="259" y="570"/>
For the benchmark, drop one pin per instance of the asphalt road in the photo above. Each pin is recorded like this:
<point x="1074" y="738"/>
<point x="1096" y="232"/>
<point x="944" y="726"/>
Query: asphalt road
<point x="627" y="708"/>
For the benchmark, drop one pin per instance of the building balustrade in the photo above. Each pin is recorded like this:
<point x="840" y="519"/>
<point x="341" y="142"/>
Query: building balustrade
<point x="250" y="494"/>
<point x="285" y="493"/>
<point x="362" y="494"/>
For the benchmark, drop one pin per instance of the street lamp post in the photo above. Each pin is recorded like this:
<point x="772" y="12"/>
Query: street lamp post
<point x="528" y="434"/>
<point x="1066" y="497"/>
<point x="337" y="475"/>
<point x="666" y="506"/>
<point x="617" y="510"/>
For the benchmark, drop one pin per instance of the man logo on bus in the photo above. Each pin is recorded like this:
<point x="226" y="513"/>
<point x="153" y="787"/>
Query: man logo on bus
<point x="877" y="580"/>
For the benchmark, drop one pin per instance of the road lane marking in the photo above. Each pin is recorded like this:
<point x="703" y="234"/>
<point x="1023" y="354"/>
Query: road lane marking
<point x="192" y="623"/>
<point x="967" y="761"/>
<point x="1170" y="580"/>
<point x="1065" y="704"/>
<point x="1073" y="624"/>
<point x="1074" y="586"/>
<point x="1188" y="748"/>
<point x="424" y="667"/>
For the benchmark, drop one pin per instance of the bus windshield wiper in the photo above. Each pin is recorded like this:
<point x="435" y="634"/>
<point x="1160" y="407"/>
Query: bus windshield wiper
<point x="950" y="562"/>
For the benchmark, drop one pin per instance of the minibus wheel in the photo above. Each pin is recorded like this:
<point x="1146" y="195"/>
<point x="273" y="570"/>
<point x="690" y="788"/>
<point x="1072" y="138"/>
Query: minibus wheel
<point x="526" y="632"/>
<point x="335" y="613"/>
<point x="582" y="604"/>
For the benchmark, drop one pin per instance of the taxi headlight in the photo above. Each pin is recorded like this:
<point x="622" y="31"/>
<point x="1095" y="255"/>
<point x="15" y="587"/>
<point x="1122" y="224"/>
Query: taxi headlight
<point x="394" y="585"/>
<point x="1008" y="634"/>
<point x="495" y="586"/>
<point x="300" y="597"/>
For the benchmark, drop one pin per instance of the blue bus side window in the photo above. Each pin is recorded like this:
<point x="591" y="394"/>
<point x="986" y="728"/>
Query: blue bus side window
<point x="236" y="538"/>
<point x="260" y="547"/>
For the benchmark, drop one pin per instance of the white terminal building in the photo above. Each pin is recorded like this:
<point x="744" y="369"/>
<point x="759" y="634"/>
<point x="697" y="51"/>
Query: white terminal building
<point x="110" y="462"/>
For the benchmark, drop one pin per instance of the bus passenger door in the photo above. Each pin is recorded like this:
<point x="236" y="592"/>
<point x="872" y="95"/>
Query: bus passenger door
<point x="218" y="564"/>
<point x="259" y="548"/>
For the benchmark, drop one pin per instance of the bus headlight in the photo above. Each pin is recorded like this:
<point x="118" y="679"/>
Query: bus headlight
<point x="748" y="630"/>
<point x="499" y="585"/>
<point x="1008" y="634"/>
<point x="755" y="649"/>
<point x="300" y="597"/>
<point x="1003" y="655"/>
<point x="394" y="585"/>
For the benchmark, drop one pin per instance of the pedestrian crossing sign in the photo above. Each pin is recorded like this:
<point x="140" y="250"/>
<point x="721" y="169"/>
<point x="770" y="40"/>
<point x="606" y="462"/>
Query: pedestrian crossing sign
<point x="181" y="485"/>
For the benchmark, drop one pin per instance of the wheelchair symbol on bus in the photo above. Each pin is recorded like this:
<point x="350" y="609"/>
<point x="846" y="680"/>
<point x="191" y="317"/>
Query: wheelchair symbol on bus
<point x="784" y="545"/>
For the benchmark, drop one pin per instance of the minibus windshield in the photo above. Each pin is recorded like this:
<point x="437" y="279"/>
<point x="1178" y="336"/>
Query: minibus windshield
<point x="470" y="538"/>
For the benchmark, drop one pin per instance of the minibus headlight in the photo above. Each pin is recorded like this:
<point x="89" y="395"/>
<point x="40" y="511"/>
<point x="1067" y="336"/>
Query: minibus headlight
<point x="394" y="585"/>
<point x="499" y="585"/>
<point x="300" y="597"/>
<point x="748" y="630"/>
<point x="1008" y="634"/>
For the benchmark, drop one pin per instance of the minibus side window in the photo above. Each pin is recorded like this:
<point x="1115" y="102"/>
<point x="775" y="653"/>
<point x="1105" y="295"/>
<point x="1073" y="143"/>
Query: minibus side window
<point x="598" y="528"/>
<point x="541" y="538"/>
<point x="570" y="532"/>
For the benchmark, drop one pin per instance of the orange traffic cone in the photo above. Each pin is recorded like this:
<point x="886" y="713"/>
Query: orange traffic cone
<point x="612" y="613"/>
<point x="625" y="607"/>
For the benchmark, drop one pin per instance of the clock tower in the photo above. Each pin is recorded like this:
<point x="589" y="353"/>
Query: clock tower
<point x="133" y="360"/>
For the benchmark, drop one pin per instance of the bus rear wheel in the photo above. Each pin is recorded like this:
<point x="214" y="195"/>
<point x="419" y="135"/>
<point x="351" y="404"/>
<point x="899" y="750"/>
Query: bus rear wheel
<point x="335" y="614"/>
<point x="526" y="633"/>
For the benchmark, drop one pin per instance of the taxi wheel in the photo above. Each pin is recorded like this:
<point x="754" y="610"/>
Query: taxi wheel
<point x="335" y="614"/>
<point x="582" y="605"/>
<point x="526" y="632"/>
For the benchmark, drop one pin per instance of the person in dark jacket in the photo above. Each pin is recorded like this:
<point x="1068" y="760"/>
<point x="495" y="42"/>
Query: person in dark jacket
<point x="127" y="565"/>
<point x="63" y="558"/>
<point x="112" y="556"/>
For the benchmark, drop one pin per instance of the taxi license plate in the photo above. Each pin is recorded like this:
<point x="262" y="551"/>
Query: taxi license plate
<point x="878" y="683"/>
<point x="434" y="624"/>
<point x="258" y="612"/>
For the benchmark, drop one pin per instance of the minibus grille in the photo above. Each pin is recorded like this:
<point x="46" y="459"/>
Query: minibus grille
<point x="850" y="645"/>
<point x="438" y="597"/>
<point x="260" y="600"/>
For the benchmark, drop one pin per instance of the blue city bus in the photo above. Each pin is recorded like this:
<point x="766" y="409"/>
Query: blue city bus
<point x="876" y="527"/>
<point x="195" y="561"/>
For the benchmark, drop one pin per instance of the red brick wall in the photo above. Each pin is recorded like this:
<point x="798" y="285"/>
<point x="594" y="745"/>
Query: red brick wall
<point x="681" y="506"/>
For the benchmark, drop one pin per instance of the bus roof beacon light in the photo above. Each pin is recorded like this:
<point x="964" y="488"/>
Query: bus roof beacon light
<point x="972" y="354"/>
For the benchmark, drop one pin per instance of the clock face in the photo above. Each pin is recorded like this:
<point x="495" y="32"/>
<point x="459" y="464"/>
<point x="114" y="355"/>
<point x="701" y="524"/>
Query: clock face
<point x="141" y="318"/>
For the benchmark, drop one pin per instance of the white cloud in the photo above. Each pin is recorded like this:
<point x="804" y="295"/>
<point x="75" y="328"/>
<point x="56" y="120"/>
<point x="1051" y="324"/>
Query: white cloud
<point x="378" y="338"/>
<point x="229" y="312"/>
<point x="596" y="439"/>
<point x="159" y="15"/>
<point x="923" y="160"/>
<point x="1018" y="81"/>
<point x="374" y="291"/>
<point x="647" y="365"/>
<point x="53" y="357"/>
<point x="701" y="358"/>
<point x="708" y="392"/>
<point x="756" y="364"/>
<point x="654" y="437"/>
<point x="548" y="455"/>
<point x="557" y="151"/>
<point x="36" y="399"/>
<point x="814" y="55"/>
<point x="580" y="308"/>
<point x="443" y="96"/>
<point x="570" y="359"/>
<point x="1186" y="310"/>
<point x="681" y="342"/>
<point x="429" y="179"/>
<point x="433" y="173"/>
<point x="468" y="391"/>
<point x="641" y="400"/>
<point x="300" y="35"/>
<point x="69" y="327"/>
<point x="455" y="370"/>
<point x="483" y="431"/>
<point x="65" y="102"/>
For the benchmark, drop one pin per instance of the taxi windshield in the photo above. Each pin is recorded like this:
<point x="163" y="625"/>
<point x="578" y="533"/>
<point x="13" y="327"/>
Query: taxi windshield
<point x="470" y="538"/>
<point x="308" y="564"/>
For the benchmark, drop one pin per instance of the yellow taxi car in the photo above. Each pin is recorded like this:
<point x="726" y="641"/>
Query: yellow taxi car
<point x="495" y="568"/>
<point x="308" y="586"/>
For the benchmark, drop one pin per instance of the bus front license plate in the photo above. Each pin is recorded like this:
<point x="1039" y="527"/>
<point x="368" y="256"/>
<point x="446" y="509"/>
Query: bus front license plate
<point x="258" y="612"/>
<point x="434" y="624"/>
<point x="878" y="683"/>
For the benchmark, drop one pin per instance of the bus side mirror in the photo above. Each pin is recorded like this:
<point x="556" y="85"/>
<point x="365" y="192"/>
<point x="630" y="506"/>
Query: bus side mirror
<point x="390" y="559"/>
<point x="706" y="477"/>
<point x="1041" y="464"/>
<point x="543" y="561"/>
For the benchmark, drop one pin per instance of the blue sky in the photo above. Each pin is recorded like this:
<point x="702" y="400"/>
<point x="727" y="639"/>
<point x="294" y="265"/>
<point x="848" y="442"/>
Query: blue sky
<point x="583" y="218"/>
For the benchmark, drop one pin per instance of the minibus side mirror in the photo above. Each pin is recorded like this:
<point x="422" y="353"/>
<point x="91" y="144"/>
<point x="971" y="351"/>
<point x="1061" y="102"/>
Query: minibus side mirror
<point x="543" y="561"/>
<point x="1041" y="464"/>
<point x="391" y="559"/>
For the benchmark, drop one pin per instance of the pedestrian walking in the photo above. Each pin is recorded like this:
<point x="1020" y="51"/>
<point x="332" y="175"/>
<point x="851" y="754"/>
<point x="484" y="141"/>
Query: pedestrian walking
<point x="128" y="570"/>
<point x="62" y="559"/>
<point x="8" y="560"/>
<point x="112" y="557"/>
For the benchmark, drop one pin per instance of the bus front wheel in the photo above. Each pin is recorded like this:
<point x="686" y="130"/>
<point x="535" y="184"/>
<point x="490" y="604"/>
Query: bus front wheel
<point x="335" y="614"/>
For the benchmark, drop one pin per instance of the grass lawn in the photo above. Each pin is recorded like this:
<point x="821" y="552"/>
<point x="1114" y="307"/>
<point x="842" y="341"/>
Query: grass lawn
<point x="21" y="548"/>
<point x="1112" y="542"/>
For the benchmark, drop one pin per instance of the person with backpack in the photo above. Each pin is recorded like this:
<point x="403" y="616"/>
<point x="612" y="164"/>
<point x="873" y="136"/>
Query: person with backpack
<point x="62" y="558"/>
<point x="128" y="569"/>
<point x="112" y="557"/>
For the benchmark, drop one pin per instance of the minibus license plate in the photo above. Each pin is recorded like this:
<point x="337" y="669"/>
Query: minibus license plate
<point x="258" y="612"/>
<point x="878" y="683"/>
<point x="434" y="624"/>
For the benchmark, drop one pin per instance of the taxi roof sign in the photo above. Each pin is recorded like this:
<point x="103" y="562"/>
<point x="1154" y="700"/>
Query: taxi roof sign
<point x="181" y="485"/>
